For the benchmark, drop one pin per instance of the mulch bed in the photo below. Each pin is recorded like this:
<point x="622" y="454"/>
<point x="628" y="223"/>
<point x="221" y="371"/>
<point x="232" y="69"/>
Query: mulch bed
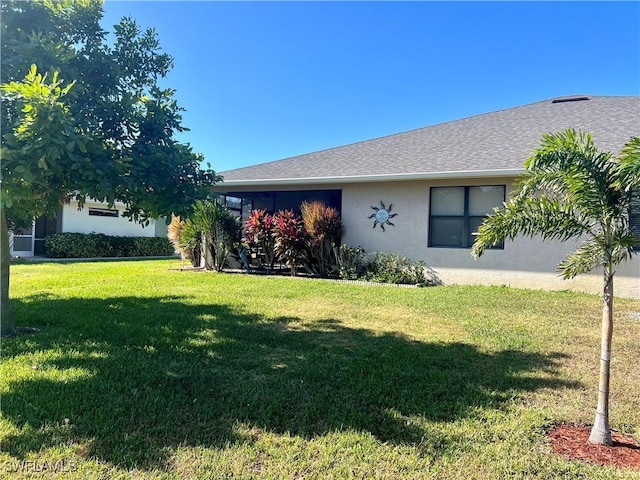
<point x="572" y="442"/>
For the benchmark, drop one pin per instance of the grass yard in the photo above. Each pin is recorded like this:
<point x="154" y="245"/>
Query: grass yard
<point x="141" y="371"/>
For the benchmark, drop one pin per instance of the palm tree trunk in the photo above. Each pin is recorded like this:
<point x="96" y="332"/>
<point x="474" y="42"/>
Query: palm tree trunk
<point x="207" y="254"/>
<point x="600" y="432"/>
<point x="7" y="324"/>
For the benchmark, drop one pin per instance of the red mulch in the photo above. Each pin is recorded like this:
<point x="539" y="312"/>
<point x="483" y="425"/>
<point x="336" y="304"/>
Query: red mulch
<point x="572" y="442"/>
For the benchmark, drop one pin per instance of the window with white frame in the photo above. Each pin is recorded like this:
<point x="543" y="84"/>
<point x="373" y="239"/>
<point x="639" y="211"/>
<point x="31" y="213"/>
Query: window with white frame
<point x="455" y="213"/>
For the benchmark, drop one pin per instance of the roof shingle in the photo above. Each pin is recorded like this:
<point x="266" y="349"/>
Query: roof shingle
<point x="488" y="144"/>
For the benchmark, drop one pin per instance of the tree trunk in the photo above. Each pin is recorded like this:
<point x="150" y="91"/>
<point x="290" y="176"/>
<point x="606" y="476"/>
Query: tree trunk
<point x="601" y="433"/>
<point x="7" y="324"/>
<point x="207" y="254"/>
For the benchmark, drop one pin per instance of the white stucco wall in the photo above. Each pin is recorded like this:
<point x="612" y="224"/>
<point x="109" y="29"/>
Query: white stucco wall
<point x="79" y="221"/>
<point x="408" y="199"/>
<point x="528" y="263"/>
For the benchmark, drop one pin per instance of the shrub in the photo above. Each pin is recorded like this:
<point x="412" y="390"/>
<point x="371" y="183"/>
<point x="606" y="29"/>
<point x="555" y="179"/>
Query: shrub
<point x="324" y="229"/>
<point x="190" y="242"/>
<point x="225" y="235"/>
<point x="259" y="235"/>
<point x="212" y="230"/>
<point x="382" y="267"/>
<point x="152" y="247"/>
<point x="98" y="245"/>
<point x="290" y="239"/>
<point x="394" y="268"/>
<point x="77" y="245"/>
<point x="352" y="262"/>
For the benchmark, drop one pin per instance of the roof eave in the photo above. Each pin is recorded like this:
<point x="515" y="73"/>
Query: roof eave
<point x="371" y="178"/>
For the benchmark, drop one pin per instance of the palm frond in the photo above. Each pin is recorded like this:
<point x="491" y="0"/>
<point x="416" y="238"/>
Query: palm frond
<point x="190" y="237"/>
<point x="597" y="252"/>
<point x="624" y="246"/>
<point x="568" y="167"/>
<point x="629" y="166"/>
<point x="530" y="216"/>
<point x="586" y="258"/>
<point x="568" y="190"/>
<point x="562" y="151"/>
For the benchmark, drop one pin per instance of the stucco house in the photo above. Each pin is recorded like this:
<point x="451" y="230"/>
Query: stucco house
<point x="94" y="217"/>
<point x="441" y="180"/>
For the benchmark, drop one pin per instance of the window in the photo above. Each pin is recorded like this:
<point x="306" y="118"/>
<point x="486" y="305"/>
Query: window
<point x="456" y="212"/>
<point x="232" y="203"/>
<point x="103" y="212"/>
<point x="272" y="201"/>
<point x="44" y="227"/>
<point x="634" y="216"/>
<point x="239" y="206"/>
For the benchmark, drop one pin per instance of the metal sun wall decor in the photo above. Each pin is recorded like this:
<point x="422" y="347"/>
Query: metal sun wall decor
<point x="382" y="215"/>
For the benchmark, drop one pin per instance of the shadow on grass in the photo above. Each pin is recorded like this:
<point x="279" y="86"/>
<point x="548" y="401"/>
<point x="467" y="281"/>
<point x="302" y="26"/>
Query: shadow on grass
<point x="136" y="377"/>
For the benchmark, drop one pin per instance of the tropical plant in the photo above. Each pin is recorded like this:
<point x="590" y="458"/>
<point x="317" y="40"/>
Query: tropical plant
<point x="290" y="239"/>
<point x="258" y="231"/>
<point x="324" y="228"/>
<point x="185" y="239"/>
<point x="204" y="219"/>
<point x="226" y="235"/>
<point x="630" y="165"/>
<point x="211" y="232"/>
<point x="190" y="242"/>
<point x="572" y="190"/>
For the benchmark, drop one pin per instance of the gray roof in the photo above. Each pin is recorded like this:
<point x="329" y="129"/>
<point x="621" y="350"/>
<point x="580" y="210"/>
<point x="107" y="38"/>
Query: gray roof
<point x="491" y="144"/>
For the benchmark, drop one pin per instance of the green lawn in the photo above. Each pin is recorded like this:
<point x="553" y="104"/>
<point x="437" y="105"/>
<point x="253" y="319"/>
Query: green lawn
<point x="143" y="371"/>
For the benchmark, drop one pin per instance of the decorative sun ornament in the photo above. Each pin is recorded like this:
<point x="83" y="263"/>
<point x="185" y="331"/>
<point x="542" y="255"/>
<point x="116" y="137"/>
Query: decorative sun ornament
<point x="382" y="216"/>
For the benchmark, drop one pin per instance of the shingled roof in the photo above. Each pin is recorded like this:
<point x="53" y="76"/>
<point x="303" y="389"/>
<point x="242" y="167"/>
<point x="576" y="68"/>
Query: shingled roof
<point x="491" y="144"/>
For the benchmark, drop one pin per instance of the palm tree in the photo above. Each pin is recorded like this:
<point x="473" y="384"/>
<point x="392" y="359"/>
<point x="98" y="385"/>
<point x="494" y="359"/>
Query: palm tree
<point x="572" y="190"/>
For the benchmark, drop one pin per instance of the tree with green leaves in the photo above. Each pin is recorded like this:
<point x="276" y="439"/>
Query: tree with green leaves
<point x="571" y="190"/>
<point x="86" y="118"/>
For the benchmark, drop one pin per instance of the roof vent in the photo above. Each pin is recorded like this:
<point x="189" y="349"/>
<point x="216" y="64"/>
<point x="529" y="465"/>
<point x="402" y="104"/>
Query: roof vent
<point x="570" y="99"/>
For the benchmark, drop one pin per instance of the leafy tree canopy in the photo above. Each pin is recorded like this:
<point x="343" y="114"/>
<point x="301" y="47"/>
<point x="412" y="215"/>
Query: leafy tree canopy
<point x="84" y="116"/>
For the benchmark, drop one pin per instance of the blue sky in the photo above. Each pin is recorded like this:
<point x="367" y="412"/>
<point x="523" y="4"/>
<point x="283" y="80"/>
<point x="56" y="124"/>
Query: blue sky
<point x="262" y="81"/>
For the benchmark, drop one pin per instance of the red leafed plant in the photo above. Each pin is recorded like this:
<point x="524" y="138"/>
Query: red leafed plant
<point x="325" y="229"/>
<point x="290" y="239"/>
<point x="259" y="235"/>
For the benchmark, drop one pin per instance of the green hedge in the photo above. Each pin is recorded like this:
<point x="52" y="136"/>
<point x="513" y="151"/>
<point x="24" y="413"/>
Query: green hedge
<point x="98" y="245"/>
